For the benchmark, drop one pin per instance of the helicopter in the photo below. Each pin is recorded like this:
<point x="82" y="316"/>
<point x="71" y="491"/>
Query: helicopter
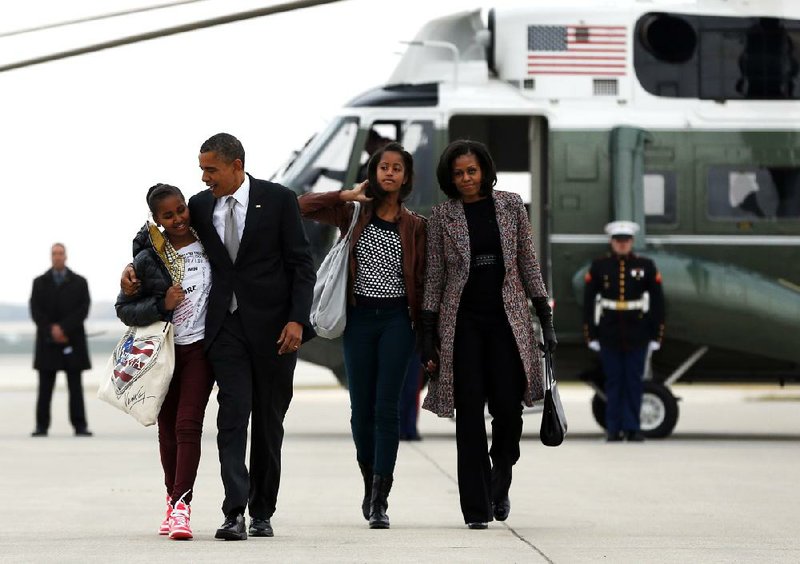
<point x="680" y="116"/>
<point x="670" y="115"/>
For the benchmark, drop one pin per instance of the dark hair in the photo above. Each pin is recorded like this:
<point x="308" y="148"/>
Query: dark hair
<point x="374" y="189"/>
<point x="160" y="191"/>
<point x="458" y="148"/>
<point x="225" y="145"/>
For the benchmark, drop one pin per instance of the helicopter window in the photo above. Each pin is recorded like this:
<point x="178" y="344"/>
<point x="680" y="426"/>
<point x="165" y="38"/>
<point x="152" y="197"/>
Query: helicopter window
<point x="379" y="134"/>
<point x="418" y="137"/>
<point x="718" y="58"/>
<point x="754" y="193"/>
<point x="660" y="196"/>
<point x="322" y="164"/>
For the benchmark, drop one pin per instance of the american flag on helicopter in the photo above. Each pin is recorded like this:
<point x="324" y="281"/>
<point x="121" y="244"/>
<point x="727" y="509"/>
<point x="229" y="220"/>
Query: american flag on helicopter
<point x="599" y="50"/>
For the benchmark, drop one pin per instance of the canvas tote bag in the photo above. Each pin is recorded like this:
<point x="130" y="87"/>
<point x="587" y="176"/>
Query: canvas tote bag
<point x="329" y="306"/>
<point x="138" y="374"/>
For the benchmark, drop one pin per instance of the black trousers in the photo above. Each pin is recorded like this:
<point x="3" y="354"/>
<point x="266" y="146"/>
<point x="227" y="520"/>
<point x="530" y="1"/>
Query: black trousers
<point x="47" y="381"/>
<point x="252" y="378"/>
<point x="487" y="368"/>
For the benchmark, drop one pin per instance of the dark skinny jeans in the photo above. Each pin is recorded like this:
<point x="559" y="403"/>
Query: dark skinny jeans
<point x="377" y="347"/>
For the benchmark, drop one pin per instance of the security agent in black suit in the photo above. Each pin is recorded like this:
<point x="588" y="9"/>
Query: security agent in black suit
<point x="258" y="316"/>
<point x="59" y="305"/>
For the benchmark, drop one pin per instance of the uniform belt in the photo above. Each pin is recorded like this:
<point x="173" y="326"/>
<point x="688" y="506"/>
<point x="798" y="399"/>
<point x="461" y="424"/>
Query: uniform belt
<point x="601" y="304"/>
<point x="623" y="305"/>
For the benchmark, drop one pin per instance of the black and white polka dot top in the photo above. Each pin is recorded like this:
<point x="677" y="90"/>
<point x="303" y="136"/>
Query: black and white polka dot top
<point x="379" y="262"/>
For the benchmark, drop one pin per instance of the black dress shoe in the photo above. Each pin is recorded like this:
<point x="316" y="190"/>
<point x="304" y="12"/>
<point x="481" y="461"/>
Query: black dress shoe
<point x="614" y="437"/>
<point x="501" y="509"/>
<point x="635" y="437"/>
<point x="232" y="528"/>
<point x="478" y="525"/>
<point x="83" y="433"/>
<point x="39" y="433"/>
<point x="260" y="528"/>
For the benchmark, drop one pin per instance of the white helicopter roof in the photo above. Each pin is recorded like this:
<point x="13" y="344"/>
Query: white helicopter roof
<point x="535" y="67"/>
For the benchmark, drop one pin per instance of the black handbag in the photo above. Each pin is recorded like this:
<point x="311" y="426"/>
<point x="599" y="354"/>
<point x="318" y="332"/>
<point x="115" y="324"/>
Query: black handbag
<point x="554" y="421"/>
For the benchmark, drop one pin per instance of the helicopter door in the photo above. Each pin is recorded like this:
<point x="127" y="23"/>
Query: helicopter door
<point x="518" y="145"/>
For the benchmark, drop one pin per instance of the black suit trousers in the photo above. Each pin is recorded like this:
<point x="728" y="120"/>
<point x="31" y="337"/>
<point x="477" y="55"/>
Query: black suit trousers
<point x="252" y="378"/>
<point x="47" y="381"/>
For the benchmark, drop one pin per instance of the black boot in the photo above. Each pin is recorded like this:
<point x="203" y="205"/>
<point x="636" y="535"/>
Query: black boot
<point x="501" y="483"/>
<point x="366" y="473"/>
<point x="379" y="503"/>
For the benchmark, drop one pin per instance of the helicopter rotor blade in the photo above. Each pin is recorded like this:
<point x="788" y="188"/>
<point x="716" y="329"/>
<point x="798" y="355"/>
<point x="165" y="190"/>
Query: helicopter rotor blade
<point x="175" y="30"/>
<point x="97" y="18"/>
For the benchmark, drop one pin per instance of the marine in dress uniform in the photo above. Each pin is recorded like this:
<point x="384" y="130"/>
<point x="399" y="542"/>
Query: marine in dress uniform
<point x="623" y="320"/>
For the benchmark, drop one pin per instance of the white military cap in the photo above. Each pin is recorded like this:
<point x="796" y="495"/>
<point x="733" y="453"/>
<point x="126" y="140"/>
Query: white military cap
<point x="622" y="228"/>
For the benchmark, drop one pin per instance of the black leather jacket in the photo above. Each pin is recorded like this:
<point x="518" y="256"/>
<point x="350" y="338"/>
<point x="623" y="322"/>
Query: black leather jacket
<point x="147" y="306"/>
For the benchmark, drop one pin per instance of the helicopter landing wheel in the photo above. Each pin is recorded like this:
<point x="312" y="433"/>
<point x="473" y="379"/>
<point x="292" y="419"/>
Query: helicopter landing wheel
<point x="658" y="415"/>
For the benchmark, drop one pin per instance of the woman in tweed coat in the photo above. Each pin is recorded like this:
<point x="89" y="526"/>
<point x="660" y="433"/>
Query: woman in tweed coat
<point x="480" y="270"/>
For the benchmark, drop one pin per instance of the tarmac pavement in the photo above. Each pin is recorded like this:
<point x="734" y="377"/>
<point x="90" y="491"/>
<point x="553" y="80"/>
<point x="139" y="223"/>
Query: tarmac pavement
<point x="723" y="488"/>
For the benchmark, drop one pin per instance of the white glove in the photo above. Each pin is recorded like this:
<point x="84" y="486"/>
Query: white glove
<point x="594" y="345"/>
<point x="653" y="346"/>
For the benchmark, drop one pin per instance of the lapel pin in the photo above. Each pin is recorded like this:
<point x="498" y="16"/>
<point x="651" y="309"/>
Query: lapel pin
<point x="258" y="205"/>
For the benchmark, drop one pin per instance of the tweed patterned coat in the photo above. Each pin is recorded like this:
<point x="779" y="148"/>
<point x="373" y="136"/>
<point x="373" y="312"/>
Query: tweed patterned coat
<point x="446" y="273"/>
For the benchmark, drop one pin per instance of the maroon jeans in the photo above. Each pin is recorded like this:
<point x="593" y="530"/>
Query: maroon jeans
<point x="180" y="421"/>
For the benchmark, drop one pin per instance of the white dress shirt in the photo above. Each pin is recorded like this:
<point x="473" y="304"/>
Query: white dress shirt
<point x="242" y="198"/>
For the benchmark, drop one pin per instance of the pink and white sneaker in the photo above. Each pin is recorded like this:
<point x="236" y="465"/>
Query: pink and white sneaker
<point x="179" y="528"/>
<point x="164" y="528"/>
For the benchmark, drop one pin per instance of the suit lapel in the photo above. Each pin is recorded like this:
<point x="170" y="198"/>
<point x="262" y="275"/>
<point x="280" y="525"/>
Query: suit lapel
<point x="49" y="281"/>
<point x="255" y="208"/>
<point x="213" y="244"/>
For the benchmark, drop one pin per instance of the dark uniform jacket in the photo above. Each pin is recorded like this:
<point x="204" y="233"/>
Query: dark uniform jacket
<point x="623" y="280"/>
<point x="147" y="305"/>
<point x="66" y="304"/>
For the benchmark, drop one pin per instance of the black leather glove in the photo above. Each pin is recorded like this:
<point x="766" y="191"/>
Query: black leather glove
<point x="545" y="315"/>
<point x="429" y="321"/>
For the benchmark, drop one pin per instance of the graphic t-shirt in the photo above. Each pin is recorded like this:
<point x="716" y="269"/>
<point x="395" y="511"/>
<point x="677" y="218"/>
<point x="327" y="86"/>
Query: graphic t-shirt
<point x="189" y="318"/>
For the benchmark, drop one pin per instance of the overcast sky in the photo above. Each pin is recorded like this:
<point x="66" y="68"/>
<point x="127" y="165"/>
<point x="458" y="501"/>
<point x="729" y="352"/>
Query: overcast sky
<point x="82" y="139"/>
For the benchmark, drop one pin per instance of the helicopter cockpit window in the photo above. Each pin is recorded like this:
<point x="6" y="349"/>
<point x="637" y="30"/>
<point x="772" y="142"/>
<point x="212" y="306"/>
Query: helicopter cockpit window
<point x="418" y="137"/>
<point x="322" y="164"/>
<point x="718" y="58"/>
<point x="660" y="196"/>
<point x="757" y="193"/>
<point x="378" y="136"/>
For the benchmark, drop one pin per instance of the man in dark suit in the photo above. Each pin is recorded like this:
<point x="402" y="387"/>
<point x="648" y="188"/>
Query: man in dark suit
<point x="59" y="305"/>
<point x="258" y="316"/>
